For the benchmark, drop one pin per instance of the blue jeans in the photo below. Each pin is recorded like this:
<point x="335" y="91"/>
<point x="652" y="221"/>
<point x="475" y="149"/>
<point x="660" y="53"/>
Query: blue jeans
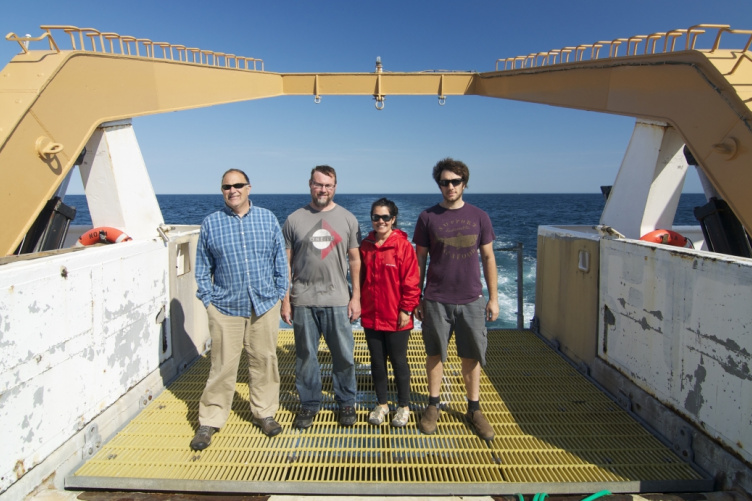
<point x="309" y="323"/>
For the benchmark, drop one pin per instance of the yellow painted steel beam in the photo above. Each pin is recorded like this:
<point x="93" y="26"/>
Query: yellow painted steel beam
<point x="53" y="101"/>
<point x="386" y="84"/>
<point x="704" y="95"/>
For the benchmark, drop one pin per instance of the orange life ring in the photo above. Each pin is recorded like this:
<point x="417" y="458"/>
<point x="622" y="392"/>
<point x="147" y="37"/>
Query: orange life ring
<point x="103" y="234"/>
<point x="666" y="237"/>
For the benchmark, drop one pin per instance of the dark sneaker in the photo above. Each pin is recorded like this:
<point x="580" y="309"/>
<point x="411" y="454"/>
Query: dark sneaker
<point x="347" y="416"/>
<point x="429" y="419"/>
<point x="304" y="418"/>
<point x="268" y="425"/>
<point x="202" y="439"/>
<point x="482" y="426"/>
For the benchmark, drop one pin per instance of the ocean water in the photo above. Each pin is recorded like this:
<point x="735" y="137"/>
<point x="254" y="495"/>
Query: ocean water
<point x="515" y="217"/>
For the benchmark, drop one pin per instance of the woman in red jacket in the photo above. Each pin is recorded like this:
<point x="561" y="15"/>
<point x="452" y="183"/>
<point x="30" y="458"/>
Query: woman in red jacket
<point x="388" y="294"/>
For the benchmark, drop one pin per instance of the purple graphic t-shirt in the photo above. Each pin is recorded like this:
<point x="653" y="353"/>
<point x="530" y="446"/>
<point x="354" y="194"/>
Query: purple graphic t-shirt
<point x="453" y="238"/>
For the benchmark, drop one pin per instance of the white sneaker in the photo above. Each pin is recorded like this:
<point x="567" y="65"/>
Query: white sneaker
<point x="376" y="417"/>
<point x="401" y="417"/>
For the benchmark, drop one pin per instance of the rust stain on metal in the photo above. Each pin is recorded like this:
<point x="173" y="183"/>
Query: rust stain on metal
<point x="19" y="469"/>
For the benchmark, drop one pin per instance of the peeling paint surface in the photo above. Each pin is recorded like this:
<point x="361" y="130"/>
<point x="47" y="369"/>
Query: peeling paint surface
<point x="682" y="328"/>
<point x="72" y="346"/>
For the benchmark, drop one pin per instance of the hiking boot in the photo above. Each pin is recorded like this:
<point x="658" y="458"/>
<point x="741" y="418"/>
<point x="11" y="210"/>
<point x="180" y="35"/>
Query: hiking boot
<point x="304" y="418"/>
<point x="401" y="417"/>
<point x="430" y="418"/>
<point x="202" y="439"/>
<point x="347" y="416"/>
<point x="268" y="425"/>
<point x="376" y="417"/>
<point x="482" y="427"/>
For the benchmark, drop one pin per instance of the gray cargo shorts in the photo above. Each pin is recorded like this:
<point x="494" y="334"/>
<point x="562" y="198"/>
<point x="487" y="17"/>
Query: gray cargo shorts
<point x="466" y="321"/>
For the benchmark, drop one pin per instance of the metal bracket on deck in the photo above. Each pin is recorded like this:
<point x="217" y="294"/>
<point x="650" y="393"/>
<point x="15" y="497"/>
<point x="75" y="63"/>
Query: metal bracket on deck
<point x="162" y="229"/>
<point x="681" y="442"/>
<point x="535" y="325"/>
<point x="583" y="368"/>
<point x="145" y="399"/>
<point x="92" y="441"/>
<point x="624" y="401"/>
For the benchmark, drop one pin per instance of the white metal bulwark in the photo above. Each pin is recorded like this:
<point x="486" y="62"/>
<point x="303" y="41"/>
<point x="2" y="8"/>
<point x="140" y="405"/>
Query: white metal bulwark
<point x="679" y="321"/>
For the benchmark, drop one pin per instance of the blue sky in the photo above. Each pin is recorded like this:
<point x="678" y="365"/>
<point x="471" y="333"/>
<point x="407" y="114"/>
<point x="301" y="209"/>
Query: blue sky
<point x="510" y="147"/>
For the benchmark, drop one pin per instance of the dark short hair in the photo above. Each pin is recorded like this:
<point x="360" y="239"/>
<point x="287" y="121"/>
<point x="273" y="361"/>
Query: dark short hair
<point x="239" y="172"/>
<point x="326" y="170"/>
<point x="391" y="206"/>
<point x="451" y="165"/>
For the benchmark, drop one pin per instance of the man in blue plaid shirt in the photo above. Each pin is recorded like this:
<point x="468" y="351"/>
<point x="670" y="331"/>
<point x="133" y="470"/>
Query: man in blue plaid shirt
<point x="241" y="272"/>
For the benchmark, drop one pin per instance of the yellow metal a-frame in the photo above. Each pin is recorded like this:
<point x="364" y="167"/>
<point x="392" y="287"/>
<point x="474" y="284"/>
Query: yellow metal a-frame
<point x="53" y="100"/>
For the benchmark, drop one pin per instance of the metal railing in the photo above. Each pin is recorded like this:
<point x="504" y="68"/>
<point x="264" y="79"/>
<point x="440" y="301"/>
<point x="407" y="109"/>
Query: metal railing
<point x="651" y="46"/>
<point x="93" y="40"/>
<point x="520" y="288"/>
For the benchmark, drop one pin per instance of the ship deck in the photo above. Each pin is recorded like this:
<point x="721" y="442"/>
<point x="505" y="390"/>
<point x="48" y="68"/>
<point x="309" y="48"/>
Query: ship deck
<point x="556" y="432"/>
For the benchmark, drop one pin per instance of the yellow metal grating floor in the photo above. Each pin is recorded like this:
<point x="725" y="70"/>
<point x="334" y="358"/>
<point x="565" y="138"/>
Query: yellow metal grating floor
<point x="555" y="432"/>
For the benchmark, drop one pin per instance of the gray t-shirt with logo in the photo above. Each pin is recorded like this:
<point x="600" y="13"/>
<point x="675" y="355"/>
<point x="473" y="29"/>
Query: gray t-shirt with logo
<point x="319" y="241"/>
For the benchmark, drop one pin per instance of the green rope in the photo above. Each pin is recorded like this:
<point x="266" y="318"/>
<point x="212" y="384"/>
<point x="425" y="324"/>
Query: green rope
<point x="541" y="496"/>
<point x="597" y="495"/>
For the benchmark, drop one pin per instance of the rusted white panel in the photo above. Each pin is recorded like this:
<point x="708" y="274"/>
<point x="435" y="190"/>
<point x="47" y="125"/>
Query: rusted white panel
<point x="77" y="330"/>
<point x="679" y="323"/>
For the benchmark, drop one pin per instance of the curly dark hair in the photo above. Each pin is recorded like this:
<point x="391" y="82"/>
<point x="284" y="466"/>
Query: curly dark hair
<point x="451" y="165"/>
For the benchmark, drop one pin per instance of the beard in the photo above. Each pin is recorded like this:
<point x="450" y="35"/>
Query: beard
<point x="321" y="201"/>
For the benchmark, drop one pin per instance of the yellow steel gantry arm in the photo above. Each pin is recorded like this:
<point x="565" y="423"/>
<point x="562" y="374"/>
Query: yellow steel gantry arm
<point x="51" y="101"/>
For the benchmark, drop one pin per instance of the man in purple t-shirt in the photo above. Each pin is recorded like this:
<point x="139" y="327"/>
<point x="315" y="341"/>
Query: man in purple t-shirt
<point x="452" y="233"/>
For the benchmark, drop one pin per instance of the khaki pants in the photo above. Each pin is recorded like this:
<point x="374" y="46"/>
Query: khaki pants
<point x="230" y="335"/>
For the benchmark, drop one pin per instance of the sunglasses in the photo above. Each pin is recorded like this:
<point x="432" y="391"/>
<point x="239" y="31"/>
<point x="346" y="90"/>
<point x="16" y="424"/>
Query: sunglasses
<point x="446" y="182"/>
<point x="237" y="186"/>
<point x="383" y="217"/>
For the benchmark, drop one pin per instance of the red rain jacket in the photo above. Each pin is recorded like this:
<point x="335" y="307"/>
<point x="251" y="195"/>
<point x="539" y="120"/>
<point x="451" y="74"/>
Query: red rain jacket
<point x="388" y="281"/>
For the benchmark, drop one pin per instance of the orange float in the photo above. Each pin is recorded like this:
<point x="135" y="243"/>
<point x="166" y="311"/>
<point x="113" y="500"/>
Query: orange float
<point x="104" y="235"/>
<point x="666" y="237"/>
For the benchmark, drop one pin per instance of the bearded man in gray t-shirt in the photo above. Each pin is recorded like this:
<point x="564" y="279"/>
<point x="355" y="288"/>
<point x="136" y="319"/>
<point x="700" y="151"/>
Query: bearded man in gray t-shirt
<point x="322" y="241"/>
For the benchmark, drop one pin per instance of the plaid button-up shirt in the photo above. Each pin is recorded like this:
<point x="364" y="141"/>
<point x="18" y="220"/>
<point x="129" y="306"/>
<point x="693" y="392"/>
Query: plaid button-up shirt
<point x="241" y="262"/>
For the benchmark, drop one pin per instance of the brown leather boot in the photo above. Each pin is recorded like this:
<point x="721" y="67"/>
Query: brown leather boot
<point x="482" y="427"/>
<point x="428" y="421"/>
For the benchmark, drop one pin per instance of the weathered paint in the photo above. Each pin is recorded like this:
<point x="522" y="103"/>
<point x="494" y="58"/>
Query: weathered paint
<point x="678" y="322"/>
<point x="566" y="304"/>
<point x="72" y="346"/>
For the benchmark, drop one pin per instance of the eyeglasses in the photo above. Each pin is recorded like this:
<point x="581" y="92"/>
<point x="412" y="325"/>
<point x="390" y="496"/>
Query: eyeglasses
<point x="327" y="187"/>
<point x="383" y="217"/>
<point x="237" y="186"/>
<point x="454" y="182"/>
